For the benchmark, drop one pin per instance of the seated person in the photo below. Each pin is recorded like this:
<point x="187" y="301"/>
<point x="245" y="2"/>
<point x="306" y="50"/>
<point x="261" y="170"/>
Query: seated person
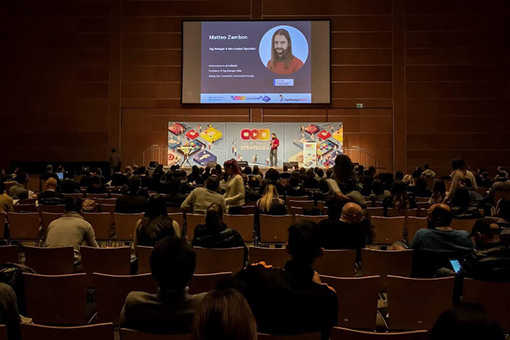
<point x="132" y="202"/>
<point x="399" y="198"/>
<point x="174" y="197"/>
<point x="294" y="188"/>
<point x="6" y="201"/>
<point x="310" y="182"/>
<point x="253" y="191"/>
<point x="215" y="233"/>
<point x="9" y="315"/>
<point x="68" y="185"/>
<point x="201" y="198"/>
<point x="491" y="259"/>
<point x="224" y="314"/>
<point x="50" y="196"/>
<point x="271" y="203"/>
<point x="439" y="236"/>
<point x="342" y="229"/>
<point x="291" y="300"/>
<point x="19" y="190"/>
<point x="118" y="178"/>
<point x="438" y="192"/>
<point x="378" y="192"/>
<point x="475" y="199"/>
<point x="96" y="186"/>
<point x="156" y="224"/>
<point x="462" y="207"/>
<point x="171" y="309"/>
<point x="420" y="188"/>
<point x="467" y="321"/>
<point x="71" y="230"/>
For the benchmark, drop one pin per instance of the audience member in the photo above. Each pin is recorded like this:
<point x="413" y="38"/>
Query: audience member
<point x="438" y="192"/>
<point x="50" y="196"/>
<point x="9" y="315"/>
<point x="201" y="198"/>
<point x="483" y="180"/>
<point x="156" y="224"/>
<point x="399" y="198"/>
<point x="215" y="233"/>
<point x="132" y="202"/>
<point x="118" y="178"/>
<point x="294" y="187"/>
<point x="224" y="314"/>
<point x="491" y="260"/>
<point x="285" y="174"/>
<point x="342" y="228"/>
<point x="503" y="213"/>
<point x="68" y="185"/>
<point x="6" y="201"/>
<point x="49" y="174"/>
<point x="291" y="300"/>
<point x="462" y="206"/>
<point x="459" y="172"/>
<point x="171" y="309"/>
<point x="253" y="190"/>
<point x="475" y="199"/>
<point x="420" y="188"/>
<point x="19" y="190"/>
<point x="234" y="195"/>
<point x="378" y="192"/>
<point x="271" y="203"/>
<point x="273" y="177"/>
<point x="439" y="236"/>
<point x="467" y="322"/>
<point x="96" y="185"/>
<point x="501" y="183"/>
<point x="174" y="197"/>
<point x="427" y="173"/>
<point x="71" y="230"/>
<point x="310" y="181"/>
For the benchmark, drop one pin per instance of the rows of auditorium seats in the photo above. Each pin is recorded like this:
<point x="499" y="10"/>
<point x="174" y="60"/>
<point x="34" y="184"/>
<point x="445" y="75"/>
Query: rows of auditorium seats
<point x="62" y="299"/>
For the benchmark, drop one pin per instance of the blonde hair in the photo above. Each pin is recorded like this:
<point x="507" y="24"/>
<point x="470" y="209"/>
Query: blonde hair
<point x="270" y="193"/>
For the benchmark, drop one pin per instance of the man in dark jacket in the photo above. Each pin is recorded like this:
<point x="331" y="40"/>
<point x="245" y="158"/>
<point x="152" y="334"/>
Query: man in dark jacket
<point x="490" y="261"/>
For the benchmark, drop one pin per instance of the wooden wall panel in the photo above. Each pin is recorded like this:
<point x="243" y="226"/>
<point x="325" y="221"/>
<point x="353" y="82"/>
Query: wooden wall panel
<point x="55" y="80"/>
<point x="79" y="77"/>
<point x="457" y="72"/>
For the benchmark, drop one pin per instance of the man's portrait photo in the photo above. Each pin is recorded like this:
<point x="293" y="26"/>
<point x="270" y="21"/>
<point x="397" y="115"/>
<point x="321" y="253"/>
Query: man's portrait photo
<point x="283" y="60"/>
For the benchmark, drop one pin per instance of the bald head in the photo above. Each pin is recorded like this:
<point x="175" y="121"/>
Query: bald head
<point x="352" y="213"/>
<point x="51" y="184"/>
<point x="440" y="215"/>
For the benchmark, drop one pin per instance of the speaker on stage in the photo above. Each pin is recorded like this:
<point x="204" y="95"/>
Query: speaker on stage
<point x="243" y="164"/>
<point x="211" y="164"/>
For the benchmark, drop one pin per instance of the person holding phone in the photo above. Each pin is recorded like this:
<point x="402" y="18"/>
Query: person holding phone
<point x="273" y="153"/>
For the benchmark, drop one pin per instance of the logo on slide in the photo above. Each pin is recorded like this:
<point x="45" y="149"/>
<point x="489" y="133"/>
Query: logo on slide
<point x="238" y="97"/>
<point x="266" y="98"/>
<point x="255" y="134"/>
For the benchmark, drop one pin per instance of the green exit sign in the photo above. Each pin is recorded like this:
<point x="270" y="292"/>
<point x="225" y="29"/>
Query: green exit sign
<point x="359" y="105"/>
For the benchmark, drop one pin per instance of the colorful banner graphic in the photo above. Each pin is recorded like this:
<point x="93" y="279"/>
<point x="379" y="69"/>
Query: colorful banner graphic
<point x="197" y="143"/>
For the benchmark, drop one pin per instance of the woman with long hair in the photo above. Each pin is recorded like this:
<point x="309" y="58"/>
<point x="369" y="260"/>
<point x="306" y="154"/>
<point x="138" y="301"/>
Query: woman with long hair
<point x="215" y="233"/>
<point x="235" y="191"/>
<point x="156" y="224"/>
<point x="438" y="192"/>
<point x="271" y="203"/>
<point x="399" y="198"/>
<point x="224" y="314"/>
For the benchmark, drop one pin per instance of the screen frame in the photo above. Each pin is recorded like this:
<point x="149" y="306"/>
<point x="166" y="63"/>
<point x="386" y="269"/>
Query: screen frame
<point x="271" y="105"/>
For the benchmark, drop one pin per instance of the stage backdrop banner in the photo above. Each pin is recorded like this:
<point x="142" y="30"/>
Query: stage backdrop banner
<point x="202" y="142"/>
